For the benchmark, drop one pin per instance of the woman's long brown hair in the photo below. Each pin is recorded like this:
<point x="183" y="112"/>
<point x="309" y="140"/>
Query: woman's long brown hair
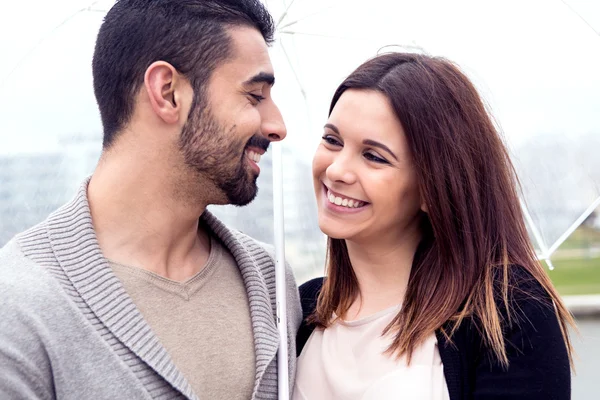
<point x="474" y="233"/>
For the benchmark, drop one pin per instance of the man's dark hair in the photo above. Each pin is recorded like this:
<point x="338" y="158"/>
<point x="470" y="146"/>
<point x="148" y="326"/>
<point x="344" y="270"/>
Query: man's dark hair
<point x="189" y="34"/>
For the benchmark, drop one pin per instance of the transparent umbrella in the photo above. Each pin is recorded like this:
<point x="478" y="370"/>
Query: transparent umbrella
<point x="535" y="63"/>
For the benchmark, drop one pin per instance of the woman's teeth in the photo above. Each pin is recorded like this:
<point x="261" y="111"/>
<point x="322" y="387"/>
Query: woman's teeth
<point x="341" y="201"/>
<point x="254" y="156"/>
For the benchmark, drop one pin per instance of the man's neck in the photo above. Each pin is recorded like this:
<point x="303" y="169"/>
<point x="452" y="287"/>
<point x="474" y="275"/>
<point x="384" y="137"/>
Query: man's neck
<point x="141" y="220"/>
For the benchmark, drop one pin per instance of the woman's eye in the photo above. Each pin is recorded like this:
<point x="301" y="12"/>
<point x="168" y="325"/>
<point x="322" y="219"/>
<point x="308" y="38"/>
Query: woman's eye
<point x="331" y="140"/>
<point x="374" y="158"/>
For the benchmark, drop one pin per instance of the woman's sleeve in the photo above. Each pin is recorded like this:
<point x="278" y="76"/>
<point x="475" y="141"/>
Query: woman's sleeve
<point x="538" y="360"/>
<point x="309" y="292"/>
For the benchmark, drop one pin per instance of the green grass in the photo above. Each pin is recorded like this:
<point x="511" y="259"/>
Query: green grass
<point x="582" y="238"/>
<point x="575" y="271"/>
<point x="576" y="275"/>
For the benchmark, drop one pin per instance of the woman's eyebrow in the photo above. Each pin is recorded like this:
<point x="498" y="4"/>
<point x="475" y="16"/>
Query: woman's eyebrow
<point x="382" y="146"/>
<point x="367" y="142"/>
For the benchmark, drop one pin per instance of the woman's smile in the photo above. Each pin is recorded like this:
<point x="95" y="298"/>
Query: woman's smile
<point x="339" y="203"/>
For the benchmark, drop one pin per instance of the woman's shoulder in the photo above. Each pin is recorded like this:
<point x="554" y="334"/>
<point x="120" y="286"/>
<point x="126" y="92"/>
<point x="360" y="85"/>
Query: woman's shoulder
<point x="520" y="299"/>
<point x="536" y="353"/>
<point x="526" y="311"/>
<point x="522" y="304"/>
<point x="521" y="291"/>
<point x="309" y="292"/>
<point x="311" y="287"/>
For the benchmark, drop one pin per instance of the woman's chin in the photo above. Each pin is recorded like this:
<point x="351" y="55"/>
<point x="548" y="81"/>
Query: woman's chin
<point x="334" y="230"/>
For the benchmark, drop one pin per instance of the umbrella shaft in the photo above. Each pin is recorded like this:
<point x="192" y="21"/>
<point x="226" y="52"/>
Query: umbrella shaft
<point x="280" y="279"/>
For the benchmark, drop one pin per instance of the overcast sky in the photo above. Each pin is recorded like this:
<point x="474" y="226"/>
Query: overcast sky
<point x="536" y="62"/>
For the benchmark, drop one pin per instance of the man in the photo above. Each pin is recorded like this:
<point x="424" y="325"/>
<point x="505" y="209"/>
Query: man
<point x="133" y="290"/>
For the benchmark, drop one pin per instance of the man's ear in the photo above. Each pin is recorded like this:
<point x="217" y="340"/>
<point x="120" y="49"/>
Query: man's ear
<point x="162" y="83"/>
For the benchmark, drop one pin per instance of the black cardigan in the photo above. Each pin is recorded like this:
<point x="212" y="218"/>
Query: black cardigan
<point x="538" y="359"/>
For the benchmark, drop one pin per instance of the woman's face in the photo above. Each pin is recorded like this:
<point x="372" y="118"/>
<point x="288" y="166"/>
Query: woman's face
<point x="363" y="173"/>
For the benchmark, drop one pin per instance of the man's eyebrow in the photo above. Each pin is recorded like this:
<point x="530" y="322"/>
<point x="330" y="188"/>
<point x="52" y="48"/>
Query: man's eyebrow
<point x="367" y="142"/>
<point x="261" y="77"/>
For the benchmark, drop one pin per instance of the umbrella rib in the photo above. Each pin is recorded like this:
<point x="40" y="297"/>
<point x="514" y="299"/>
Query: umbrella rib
<point x="575" y="225"/>
<point x="305" y="17"/>
<point x="536" y="233"/>
<point x="318" y="35"/>
<point x="580" y="17"/>
<point x="280" y="279"/>
<point x="285" y="13"/>
<point x="43" y="38"/>
<point x="295" y="73"/>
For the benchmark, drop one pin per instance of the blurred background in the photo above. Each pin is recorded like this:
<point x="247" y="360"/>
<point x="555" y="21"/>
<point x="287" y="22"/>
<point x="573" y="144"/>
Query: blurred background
<point x="535" y="62"/>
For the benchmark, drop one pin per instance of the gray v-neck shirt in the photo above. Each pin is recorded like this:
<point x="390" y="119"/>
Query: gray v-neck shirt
<point x="203" y="323"/>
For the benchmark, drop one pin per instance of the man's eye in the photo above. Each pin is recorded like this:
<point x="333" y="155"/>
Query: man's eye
<point x="256" y="97"/>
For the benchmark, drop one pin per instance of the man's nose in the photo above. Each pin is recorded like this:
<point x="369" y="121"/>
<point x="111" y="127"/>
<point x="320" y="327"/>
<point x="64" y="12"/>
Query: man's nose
<point x="272" y="126"/>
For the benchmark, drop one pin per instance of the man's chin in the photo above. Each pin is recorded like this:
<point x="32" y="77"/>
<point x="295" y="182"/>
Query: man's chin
<point x="242" y="202"/>
<point x="244" y="196"/>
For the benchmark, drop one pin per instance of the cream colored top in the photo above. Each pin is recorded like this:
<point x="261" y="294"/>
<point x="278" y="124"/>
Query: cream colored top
<point x="347" y="361"/>
<point x="204" y="323"/>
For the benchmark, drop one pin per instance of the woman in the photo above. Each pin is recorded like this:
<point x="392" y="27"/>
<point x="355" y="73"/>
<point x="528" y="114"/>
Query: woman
<point x="433" y="290"/>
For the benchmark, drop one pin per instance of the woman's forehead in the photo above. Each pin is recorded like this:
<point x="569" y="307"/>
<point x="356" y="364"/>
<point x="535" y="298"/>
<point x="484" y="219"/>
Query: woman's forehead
<point x="367" y="115"/>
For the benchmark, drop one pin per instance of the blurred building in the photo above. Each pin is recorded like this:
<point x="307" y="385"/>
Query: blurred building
<point x="32" y="185"/>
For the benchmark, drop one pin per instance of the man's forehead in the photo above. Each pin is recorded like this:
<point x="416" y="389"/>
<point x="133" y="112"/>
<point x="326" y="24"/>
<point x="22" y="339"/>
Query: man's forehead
<point x="250" y="56"/>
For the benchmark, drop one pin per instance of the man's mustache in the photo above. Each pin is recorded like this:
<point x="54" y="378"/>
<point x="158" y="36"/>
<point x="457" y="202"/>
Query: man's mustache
<point x="258" y="141"/>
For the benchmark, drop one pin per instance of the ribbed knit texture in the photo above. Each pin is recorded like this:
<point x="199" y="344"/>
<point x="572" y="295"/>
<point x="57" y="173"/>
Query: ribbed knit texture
<point x="66" y="245"/>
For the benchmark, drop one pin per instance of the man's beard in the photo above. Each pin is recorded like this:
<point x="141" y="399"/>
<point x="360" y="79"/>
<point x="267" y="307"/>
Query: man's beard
<point x="217" y="154"/>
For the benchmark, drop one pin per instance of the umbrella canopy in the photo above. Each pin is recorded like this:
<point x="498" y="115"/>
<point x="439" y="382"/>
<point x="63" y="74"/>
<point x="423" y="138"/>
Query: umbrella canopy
<point x="534" y="62"/>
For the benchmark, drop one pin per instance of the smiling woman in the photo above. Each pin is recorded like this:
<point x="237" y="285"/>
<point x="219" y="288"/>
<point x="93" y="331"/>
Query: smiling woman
<point x="364" y="161"/>
<point x="432" y="290"/>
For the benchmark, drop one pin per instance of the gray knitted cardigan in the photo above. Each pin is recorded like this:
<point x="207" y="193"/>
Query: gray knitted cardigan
<point x="68" y="329"/>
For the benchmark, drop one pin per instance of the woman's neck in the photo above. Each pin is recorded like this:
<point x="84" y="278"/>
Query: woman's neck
<point x="382" y="269"/>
